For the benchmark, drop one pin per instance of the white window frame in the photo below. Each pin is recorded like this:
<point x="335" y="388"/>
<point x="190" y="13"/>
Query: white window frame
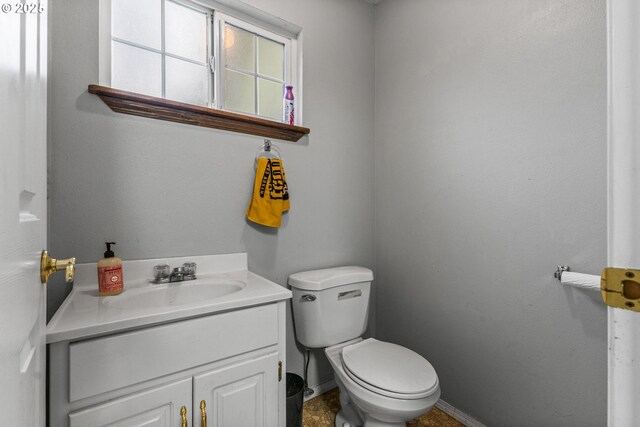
<point x="290" y="57"/>
<point x="106" y="40"/>
<point x="219" y="15"/>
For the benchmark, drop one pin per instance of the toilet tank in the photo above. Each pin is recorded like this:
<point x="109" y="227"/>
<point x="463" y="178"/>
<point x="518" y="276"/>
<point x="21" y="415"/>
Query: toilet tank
<point x="330" y="306"/>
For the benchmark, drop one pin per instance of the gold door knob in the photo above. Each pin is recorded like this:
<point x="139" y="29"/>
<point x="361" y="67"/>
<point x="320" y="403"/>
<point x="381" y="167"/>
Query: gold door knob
<point x="49" y="265"/>
<point x="183" y="414"/>
<point x="203" y="413"/>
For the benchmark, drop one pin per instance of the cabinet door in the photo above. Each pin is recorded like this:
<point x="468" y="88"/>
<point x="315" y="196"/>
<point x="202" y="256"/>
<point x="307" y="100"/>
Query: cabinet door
<point x="158" y="407"/>
<point x="244" y="394"/>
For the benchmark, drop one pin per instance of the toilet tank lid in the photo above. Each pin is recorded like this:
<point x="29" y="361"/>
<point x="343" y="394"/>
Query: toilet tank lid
<point x="317" y="280"/>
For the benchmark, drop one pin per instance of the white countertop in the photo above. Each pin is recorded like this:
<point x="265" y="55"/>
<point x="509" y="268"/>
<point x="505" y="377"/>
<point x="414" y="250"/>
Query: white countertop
<point x="85" y="314"/>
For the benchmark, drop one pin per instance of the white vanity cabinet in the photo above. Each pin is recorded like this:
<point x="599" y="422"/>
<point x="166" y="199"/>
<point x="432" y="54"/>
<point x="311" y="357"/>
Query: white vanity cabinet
<point x="243" y="394"/>
<point x="159" y="406"/>
<point x="233" y="361"/>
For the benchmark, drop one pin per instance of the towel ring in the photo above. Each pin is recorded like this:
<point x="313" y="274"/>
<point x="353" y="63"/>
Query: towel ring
<point x="269" y="150"/>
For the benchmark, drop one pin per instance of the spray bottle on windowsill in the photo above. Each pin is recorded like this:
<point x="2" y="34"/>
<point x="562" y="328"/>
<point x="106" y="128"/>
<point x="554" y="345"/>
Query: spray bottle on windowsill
<point x="289" y="113"/>
<point x="110" y="281"/>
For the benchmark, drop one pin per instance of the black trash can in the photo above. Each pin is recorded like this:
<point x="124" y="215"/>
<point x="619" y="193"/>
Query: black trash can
<point x="295" y="390"/>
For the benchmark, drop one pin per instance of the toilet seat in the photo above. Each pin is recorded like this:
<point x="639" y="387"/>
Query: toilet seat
<point x="389" y="369"/>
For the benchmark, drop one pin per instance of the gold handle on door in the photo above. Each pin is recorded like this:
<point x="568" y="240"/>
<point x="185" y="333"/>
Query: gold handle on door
<point x="49" y="265"/>
<point x="203" y="412"/>
<point x="183" y="413"/>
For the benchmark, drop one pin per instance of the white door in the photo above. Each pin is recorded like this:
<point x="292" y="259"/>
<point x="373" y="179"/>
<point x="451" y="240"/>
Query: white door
<point x="23" y="214"/>
<point x="239" y="395"/>
<point x="624" y="204"/>
<point x="165" y="406"/>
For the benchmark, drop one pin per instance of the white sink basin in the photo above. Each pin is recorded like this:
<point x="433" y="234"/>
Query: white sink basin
<point x="175" y="294"/>
<point x="224" y="283"/>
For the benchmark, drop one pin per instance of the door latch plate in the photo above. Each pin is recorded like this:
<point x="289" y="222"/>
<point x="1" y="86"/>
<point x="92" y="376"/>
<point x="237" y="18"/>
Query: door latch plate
<point x="620" y="288"/>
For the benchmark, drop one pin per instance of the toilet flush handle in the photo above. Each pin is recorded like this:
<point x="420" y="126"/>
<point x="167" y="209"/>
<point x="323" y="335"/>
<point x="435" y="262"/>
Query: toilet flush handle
<point x="308" y="298"/>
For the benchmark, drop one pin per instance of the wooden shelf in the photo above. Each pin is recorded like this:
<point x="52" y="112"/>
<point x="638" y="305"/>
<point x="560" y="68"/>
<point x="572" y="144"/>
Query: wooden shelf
<point x="125" y="102"/>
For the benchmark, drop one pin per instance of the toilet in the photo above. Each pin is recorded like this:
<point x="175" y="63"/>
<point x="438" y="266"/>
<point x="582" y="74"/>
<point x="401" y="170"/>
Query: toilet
<point x="381" y="384"/>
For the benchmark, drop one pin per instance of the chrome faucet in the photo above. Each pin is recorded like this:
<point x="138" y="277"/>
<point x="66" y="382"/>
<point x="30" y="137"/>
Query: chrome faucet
<point x="162" y="273"/>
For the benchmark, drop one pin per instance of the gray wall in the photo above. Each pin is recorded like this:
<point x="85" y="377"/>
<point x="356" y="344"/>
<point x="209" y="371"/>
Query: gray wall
<point x="162" y="189"/>
<point x="490" y="170"/>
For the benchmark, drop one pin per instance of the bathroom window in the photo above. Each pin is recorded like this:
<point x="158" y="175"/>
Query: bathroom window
<point x="186" y="51"/>
<point x="253" y="69"/>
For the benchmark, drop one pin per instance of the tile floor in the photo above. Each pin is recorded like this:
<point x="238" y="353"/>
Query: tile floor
<point x="321" y="412"/>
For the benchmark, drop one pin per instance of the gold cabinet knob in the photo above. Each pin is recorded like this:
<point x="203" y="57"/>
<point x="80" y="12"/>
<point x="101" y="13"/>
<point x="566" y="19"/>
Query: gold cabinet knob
<point x="183" y="414"/>
<point x="49" y="265"/>
<point x="203" y="414"/>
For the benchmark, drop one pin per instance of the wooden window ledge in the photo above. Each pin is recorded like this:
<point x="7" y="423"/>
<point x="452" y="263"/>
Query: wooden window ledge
<point x="125" y="102"/>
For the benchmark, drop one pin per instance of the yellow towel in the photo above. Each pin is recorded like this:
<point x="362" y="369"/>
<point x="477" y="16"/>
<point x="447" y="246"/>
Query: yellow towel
<point x="270" y="193"/>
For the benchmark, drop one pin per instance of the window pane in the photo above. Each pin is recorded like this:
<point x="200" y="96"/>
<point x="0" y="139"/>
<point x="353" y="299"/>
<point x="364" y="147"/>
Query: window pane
<point x="240" y="92"/>
<point x="185" y="32"/>
<point x="270" y="58"/>
<point x="270" y="99"/>
<point x="186" y="82"/>
<point x="137" y="21"/>
<point x="239" y="48"/>
<point x="136" y="70"/>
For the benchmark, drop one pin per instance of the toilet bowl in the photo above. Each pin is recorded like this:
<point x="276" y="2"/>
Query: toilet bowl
<point x="365" y="403"/>
<point x="381" y="384"/>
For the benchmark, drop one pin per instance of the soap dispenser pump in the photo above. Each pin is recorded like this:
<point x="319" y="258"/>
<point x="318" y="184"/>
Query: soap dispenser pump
<point x="110" y="281"/>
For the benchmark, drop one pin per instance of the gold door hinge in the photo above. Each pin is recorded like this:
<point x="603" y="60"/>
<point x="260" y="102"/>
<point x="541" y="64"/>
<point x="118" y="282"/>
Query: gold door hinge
<point x="279" y="371"/>
<point x="620" y="288"/>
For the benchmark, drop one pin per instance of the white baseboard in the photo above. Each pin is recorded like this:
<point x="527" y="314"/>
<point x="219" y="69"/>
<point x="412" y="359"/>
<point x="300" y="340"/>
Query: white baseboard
<point x="465" y="419"/>
<point x="321" y="388"/>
